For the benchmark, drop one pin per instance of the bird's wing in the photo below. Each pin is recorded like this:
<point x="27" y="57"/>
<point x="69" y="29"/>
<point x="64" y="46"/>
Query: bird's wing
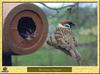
<point x="66" y="39"/>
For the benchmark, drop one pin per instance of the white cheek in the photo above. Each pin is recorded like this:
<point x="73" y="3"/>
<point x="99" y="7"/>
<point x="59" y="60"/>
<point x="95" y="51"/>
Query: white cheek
<point x="67" y="25"/>
<point x="60" y="25"/>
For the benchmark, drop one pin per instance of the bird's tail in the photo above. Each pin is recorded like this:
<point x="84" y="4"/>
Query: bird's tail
<point x="76" y="55"/>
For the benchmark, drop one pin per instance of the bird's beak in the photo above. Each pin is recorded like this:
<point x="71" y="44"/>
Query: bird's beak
<point x="73" y="25"/>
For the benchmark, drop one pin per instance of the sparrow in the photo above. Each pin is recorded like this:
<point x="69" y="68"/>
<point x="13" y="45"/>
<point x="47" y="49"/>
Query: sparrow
<point x="64" y="40"/>
<point x="28" y="35"/>
<point x="27" y="28"/>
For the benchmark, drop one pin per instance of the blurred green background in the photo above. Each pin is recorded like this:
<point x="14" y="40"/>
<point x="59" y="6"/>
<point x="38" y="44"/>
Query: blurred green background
<point x="85" y="16"/>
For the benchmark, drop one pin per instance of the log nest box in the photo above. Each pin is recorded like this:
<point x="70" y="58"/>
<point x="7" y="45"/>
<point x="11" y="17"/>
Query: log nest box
<point x="22" y="20"/>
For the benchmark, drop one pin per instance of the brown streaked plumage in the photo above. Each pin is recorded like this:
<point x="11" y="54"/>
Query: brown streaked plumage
<point x="65" y="39"/>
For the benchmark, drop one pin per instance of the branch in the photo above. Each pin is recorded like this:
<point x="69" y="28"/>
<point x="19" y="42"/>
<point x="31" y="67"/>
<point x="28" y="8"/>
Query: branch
<point x="57" y="9"/>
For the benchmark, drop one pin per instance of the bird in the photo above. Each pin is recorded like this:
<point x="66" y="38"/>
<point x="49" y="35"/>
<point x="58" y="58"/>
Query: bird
<point x="27" y="28"/>
<point x="64" y="40"/>
<point x="28" y="35"/>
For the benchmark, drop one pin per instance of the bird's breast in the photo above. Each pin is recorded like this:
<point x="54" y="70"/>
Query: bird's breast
<point x="64" y="34"/>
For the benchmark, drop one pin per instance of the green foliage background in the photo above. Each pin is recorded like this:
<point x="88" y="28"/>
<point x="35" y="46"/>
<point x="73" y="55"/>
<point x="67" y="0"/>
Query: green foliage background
<point x="85" y="33"/>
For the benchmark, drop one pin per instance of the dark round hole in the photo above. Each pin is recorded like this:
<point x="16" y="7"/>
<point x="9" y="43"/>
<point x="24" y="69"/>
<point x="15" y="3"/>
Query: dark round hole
<point x="26" y="26"/>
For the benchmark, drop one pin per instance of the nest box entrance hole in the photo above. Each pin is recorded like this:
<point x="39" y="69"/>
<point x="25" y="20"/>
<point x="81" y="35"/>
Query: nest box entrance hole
<point x="26" y="27"/>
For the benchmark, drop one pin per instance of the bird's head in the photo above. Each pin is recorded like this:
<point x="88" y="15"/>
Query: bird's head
<point x="66" y="24"/>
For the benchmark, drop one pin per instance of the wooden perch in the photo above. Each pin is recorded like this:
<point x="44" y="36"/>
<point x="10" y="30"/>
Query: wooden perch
<point x="62" y="7"/>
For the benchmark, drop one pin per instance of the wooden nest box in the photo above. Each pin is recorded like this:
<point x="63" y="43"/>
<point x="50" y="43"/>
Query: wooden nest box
<point x="24" y="19"/>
